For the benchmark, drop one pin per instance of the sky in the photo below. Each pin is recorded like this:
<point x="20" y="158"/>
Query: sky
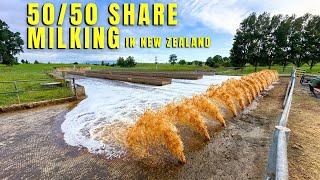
<point x="217" y="19"/>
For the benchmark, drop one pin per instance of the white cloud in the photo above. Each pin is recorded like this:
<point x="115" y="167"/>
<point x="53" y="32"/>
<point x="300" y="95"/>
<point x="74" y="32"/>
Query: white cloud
<point x="14" y="14"/>
<point x="226" y="15"/>
<point x="298" y="7"/>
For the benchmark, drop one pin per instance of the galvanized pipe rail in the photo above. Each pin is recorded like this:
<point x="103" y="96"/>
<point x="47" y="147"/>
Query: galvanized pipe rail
<point x="277" y="167"/>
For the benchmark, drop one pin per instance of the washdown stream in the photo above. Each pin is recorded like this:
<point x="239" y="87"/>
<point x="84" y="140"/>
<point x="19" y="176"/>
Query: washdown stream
<point x="110" y="102"/>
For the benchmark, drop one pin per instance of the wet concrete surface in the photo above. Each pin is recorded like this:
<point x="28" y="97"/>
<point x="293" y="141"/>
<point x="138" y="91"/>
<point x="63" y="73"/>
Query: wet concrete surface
<point x="32" y="146"/>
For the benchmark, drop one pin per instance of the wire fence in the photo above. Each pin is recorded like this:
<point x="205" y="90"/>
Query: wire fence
<point x="277" y="167"/>
<point x="25" y="91"/>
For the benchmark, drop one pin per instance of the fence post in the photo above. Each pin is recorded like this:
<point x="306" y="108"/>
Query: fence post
<point x="74" y="88"/>
<point x="16" y="89"/>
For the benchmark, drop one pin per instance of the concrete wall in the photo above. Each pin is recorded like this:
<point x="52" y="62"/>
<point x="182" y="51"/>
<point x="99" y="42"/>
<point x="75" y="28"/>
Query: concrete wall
<point x="156" y="81"/>
<point x="163" y="74"/>
<point x="23" y="106"/>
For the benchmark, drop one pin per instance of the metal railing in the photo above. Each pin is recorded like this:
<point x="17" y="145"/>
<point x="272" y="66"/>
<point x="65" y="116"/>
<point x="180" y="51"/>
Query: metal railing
<point x="278" y="161"/>
<point x="12" y="91"/>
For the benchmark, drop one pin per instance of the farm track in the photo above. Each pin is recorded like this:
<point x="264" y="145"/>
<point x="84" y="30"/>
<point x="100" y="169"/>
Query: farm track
<point x="32" y="146"/>
<point x="304" y="142"/>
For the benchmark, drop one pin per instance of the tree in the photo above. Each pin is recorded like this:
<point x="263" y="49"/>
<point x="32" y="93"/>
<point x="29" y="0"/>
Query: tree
<point x="210" y="62"/>
<point x="130" y="62"/>
<point x="10" y="44"/>
<point x="22" y="61"/>
<point x="121" y="62"/>
<point x="312" y="40"/>
<point x="244" y="44"/>
<point x="102" y="63"/>
<point x="36" y="62"/>
<point x="27" y="62"/>
<point x="252" y="35"/>
<point x="296" y="41"/>
<point x="182" y="62"/>
<point x="238" y="51"/>
<point x="262" y="37"/>
<point x="282" y="41"/>
<point x="75" y="63"/>
<point x="198" y="63"/>
<point x="265" y="40"/>
<point x="226" y="62"/>
<point x="189" y="63"/>
<point x="270" y="40"/>
<point x="218" y="60"/>
<point x="173" y="59"/>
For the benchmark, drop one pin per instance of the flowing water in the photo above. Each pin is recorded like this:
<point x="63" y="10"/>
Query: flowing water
<point x="111" y="102"/>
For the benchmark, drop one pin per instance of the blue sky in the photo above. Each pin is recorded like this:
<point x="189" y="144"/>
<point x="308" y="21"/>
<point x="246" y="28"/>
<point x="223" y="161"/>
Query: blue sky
<point x="218" y="19"/>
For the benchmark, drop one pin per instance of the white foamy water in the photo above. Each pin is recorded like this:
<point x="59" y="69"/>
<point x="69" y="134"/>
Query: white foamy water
<point x="109" y="102"/>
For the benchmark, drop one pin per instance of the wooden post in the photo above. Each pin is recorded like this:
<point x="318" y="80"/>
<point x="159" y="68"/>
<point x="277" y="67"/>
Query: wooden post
<point x="74" y="88"/>
<point x="16" y="89"/>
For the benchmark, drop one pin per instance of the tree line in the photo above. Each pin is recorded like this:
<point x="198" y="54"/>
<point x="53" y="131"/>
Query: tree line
<point x="128" y="62"/>
<point x="173" y="59"/>
<point x="280" y="39"/>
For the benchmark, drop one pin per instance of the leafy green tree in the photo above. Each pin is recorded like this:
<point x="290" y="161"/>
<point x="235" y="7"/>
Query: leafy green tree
<point x="10" y="44"/>
<point x="102" y="63"/>
<point x="238" y="52"/>
<point x="182" y="62"/>
<point x="253" y="35"/>
<point x="296" y="41"/>
<point x="216" y="61"/>
<point x="198" y="63"/>
<point x="226" y="62"/>
<point x="270" y="44"/>
<point x="121" y="62"/>
<point x="189" y="63"/>
<point x="282" y="41"/>
<point x="262" y="34"/>
<point x="312" y="40"/>
<point x="173" y="59"/>
<point x="22" y="61"/>
<point x="210" y="62"/>
<point x="130" y="62"/>
<point x="246" y="46"/>
<point x="36" y="62"/>
<point x="265" y="40"/>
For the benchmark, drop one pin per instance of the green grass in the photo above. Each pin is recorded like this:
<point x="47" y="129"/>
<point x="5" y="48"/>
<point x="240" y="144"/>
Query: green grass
<point x="30" y="91"/>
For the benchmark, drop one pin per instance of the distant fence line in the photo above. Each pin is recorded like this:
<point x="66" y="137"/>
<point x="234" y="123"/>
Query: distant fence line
<point x="277" y="167"/>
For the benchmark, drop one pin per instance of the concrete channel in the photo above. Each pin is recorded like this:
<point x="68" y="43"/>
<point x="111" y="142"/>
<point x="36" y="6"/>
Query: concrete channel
<point x="149" y="78"/>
